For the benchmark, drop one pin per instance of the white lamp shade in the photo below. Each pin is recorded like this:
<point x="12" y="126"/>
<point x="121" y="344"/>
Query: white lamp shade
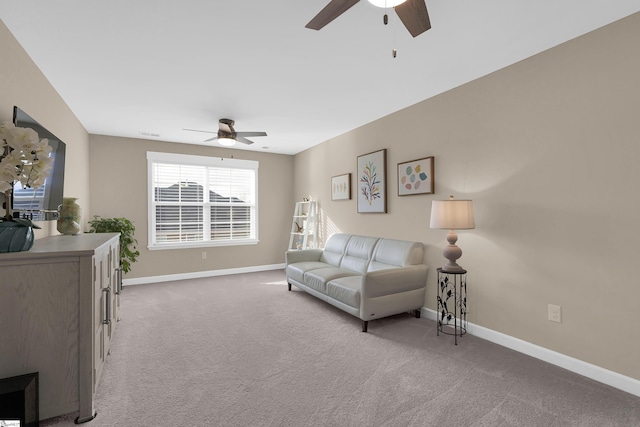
<point x="452" y="214"/>
<point x="386" y="3"/>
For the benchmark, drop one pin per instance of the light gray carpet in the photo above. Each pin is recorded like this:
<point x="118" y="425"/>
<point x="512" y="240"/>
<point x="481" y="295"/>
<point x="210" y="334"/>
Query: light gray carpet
<point x="243" y="351"/>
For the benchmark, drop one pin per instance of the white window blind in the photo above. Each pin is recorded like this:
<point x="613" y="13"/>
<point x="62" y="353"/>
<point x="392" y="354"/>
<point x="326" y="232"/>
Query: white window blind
<point x="201" y="201"/>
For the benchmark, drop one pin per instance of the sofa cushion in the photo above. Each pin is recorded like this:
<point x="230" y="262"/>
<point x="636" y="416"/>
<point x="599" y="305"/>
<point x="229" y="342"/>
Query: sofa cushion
<point x="296" y="270"/>
<point x="346" y="290"/>
<point x="317" y="279"/>
<point x="334" y="249"/>
<point x="358" y="253"/>
<point x="390" y="253"/>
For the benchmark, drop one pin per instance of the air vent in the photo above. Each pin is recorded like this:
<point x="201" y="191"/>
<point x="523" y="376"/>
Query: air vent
<point x="151" y="134"/>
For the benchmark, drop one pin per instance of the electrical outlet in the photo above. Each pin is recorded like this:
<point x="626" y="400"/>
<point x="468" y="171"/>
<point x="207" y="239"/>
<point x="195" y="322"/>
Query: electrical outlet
<point x="555" y="313"/>
<point x="204" y="255"/>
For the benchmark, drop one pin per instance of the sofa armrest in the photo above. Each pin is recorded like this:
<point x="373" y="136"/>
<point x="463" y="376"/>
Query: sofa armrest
<point x="394" y="280"/>
<point x="304" y="255"/>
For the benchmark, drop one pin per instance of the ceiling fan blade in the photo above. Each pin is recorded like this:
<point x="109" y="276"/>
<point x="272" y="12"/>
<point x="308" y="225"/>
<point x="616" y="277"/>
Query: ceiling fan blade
<point x="243" y="140"/>
<point x="197" y="130"/>
<point x="414" y="16"/>
<point x="251" y="134"/>
<point x="330" y="12"/>
<point x="211" y="139"/>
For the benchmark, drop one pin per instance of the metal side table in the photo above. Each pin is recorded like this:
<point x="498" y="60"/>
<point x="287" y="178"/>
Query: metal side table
<point x="452" y="303"/>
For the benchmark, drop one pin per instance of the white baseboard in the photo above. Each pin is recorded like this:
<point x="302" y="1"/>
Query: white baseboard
<point x="605" y="376"/>
<point x="200" y="274"/>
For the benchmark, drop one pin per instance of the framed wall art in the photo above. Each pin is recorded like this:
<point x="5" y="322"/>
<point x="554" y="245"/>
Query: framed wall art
<point x="416" y="177"/>
<point x="341" y="187"/>
<point x="372" y="182"/>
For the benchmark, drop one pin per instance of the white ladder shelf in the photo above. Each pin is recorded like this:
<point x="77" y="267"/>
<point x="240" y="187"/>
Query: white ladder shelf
<point x="304" y="226"/>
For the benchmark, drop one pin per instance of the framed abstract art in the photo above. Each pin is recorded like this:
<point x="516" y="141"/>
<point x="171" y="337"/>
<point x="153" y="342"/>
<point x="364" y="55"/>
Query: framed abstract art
<point x="341" y="187"/>
<point x="372" y="182"/>
<point x="416" y="177"/>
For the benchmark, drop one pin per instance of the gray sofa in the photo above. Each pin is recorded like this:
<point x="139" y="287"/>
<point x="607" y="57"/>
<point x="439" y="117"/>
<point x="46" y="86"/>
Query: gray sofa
<point x="368" y="277"/>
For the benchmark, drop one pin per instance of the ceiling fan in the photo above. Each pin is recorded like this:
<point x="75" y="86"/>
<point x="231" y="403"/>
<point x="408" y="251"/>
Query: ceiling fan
<point x="227" y="135"/>
<point x="412" y="13"/>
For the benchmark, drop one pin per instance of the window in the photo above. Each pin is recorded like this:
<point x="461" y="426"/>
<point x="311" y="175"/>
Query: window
<point x="201" y="201"/>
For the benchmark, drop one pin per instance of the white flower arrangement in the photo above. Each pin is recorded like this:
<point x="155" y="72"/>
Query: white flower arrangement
<point x="24" y="158"/>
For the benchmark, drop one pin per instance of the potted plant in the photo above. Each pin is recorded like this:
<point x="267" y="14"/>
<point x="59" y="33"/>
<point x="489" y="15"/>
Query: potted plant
<point x="128" y="250"/>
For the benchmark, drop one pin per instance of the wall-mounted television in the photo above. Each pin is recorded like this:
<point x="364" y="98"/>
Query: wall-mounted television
<point x="41" y="204"/>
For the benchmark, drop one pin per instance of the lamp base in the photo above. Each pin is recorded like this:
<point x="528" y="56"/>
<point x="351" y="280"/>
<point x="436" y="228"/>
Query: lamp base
<point x="452" y="253"/>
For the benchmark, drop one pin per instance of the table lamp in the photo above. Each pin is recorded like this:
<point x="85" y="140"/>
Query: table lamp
<point x="452" y="215"/>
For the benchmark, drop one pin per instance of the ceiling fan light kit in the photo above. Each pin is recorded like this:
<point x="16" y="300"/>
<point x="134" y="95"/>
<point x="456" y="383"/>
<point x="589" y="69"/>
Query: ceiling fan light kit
<point x="412" y="13"/>
<point x="386" y="3"/>
<point x="227" y="142"/>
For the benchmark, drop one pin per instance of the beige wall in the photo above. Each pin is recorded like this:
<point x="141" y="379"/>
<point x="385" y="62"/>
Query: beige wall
<point x="23" y="84"/>
<point x="548" y="150"/>
<point x="119" y="188"/>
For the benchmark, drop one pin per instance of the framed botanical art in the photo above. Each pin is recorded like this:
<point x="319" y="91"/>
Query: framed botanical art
<point x="341" y="187"/>
<point x="416" y="177"/>
<point x="372" y="182"/>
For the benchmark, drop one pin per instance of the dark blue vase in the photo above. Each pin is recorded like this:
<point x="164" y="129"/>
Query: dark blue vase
<point x="15" y="237"/>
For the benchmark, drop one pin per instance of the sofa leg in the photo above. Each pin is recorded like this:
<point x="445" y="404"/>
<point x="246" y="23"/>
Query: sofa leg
<point x="365" y="323"/>
<point x="417" y="313"/>
<point x="289" y="284"/>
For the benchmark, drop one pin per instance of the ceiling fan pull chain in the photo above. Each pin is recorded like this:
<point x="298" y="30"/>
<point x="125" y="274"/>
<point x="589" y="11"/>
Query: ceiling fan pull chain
<point x="394" y="52"/>
<point x="385" y="18"/>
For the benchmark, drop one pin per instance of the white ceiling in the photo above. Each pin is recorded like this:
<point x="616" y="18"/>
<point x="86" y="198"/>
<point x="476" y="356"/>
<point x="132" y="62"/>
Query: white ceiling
<point x="130" y="68"/>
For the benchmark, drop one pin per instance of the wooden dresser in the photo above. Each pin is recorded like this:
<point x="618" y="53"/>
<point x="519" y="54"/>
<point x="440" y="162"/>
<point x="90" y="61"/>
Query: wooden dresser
<point x="58" y="311"/>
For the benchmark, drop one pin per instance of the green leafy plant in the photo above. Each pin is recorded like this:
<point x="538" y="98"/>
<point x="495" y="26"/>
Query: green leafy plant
<point x="128" y="249"/>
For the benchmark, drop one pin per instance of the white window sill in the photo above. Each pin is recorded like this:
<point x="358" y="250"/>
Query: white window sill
<point x="208" y="244"/>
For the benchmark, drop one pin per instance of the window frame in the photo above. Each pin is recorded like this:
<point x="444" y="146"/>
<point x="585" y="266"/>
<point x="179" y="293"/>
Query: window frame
<point x="205" y="161"/>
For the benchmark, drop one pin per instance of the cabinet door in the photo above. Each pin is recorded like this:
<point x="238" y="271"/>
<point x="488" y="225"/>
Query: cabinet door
<point x="107" y="263"/>
<point x="111" y="281"/>
<point x="116" y="283"/>
<point x="102" y="293"/>
<point x="108" y="293"/>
